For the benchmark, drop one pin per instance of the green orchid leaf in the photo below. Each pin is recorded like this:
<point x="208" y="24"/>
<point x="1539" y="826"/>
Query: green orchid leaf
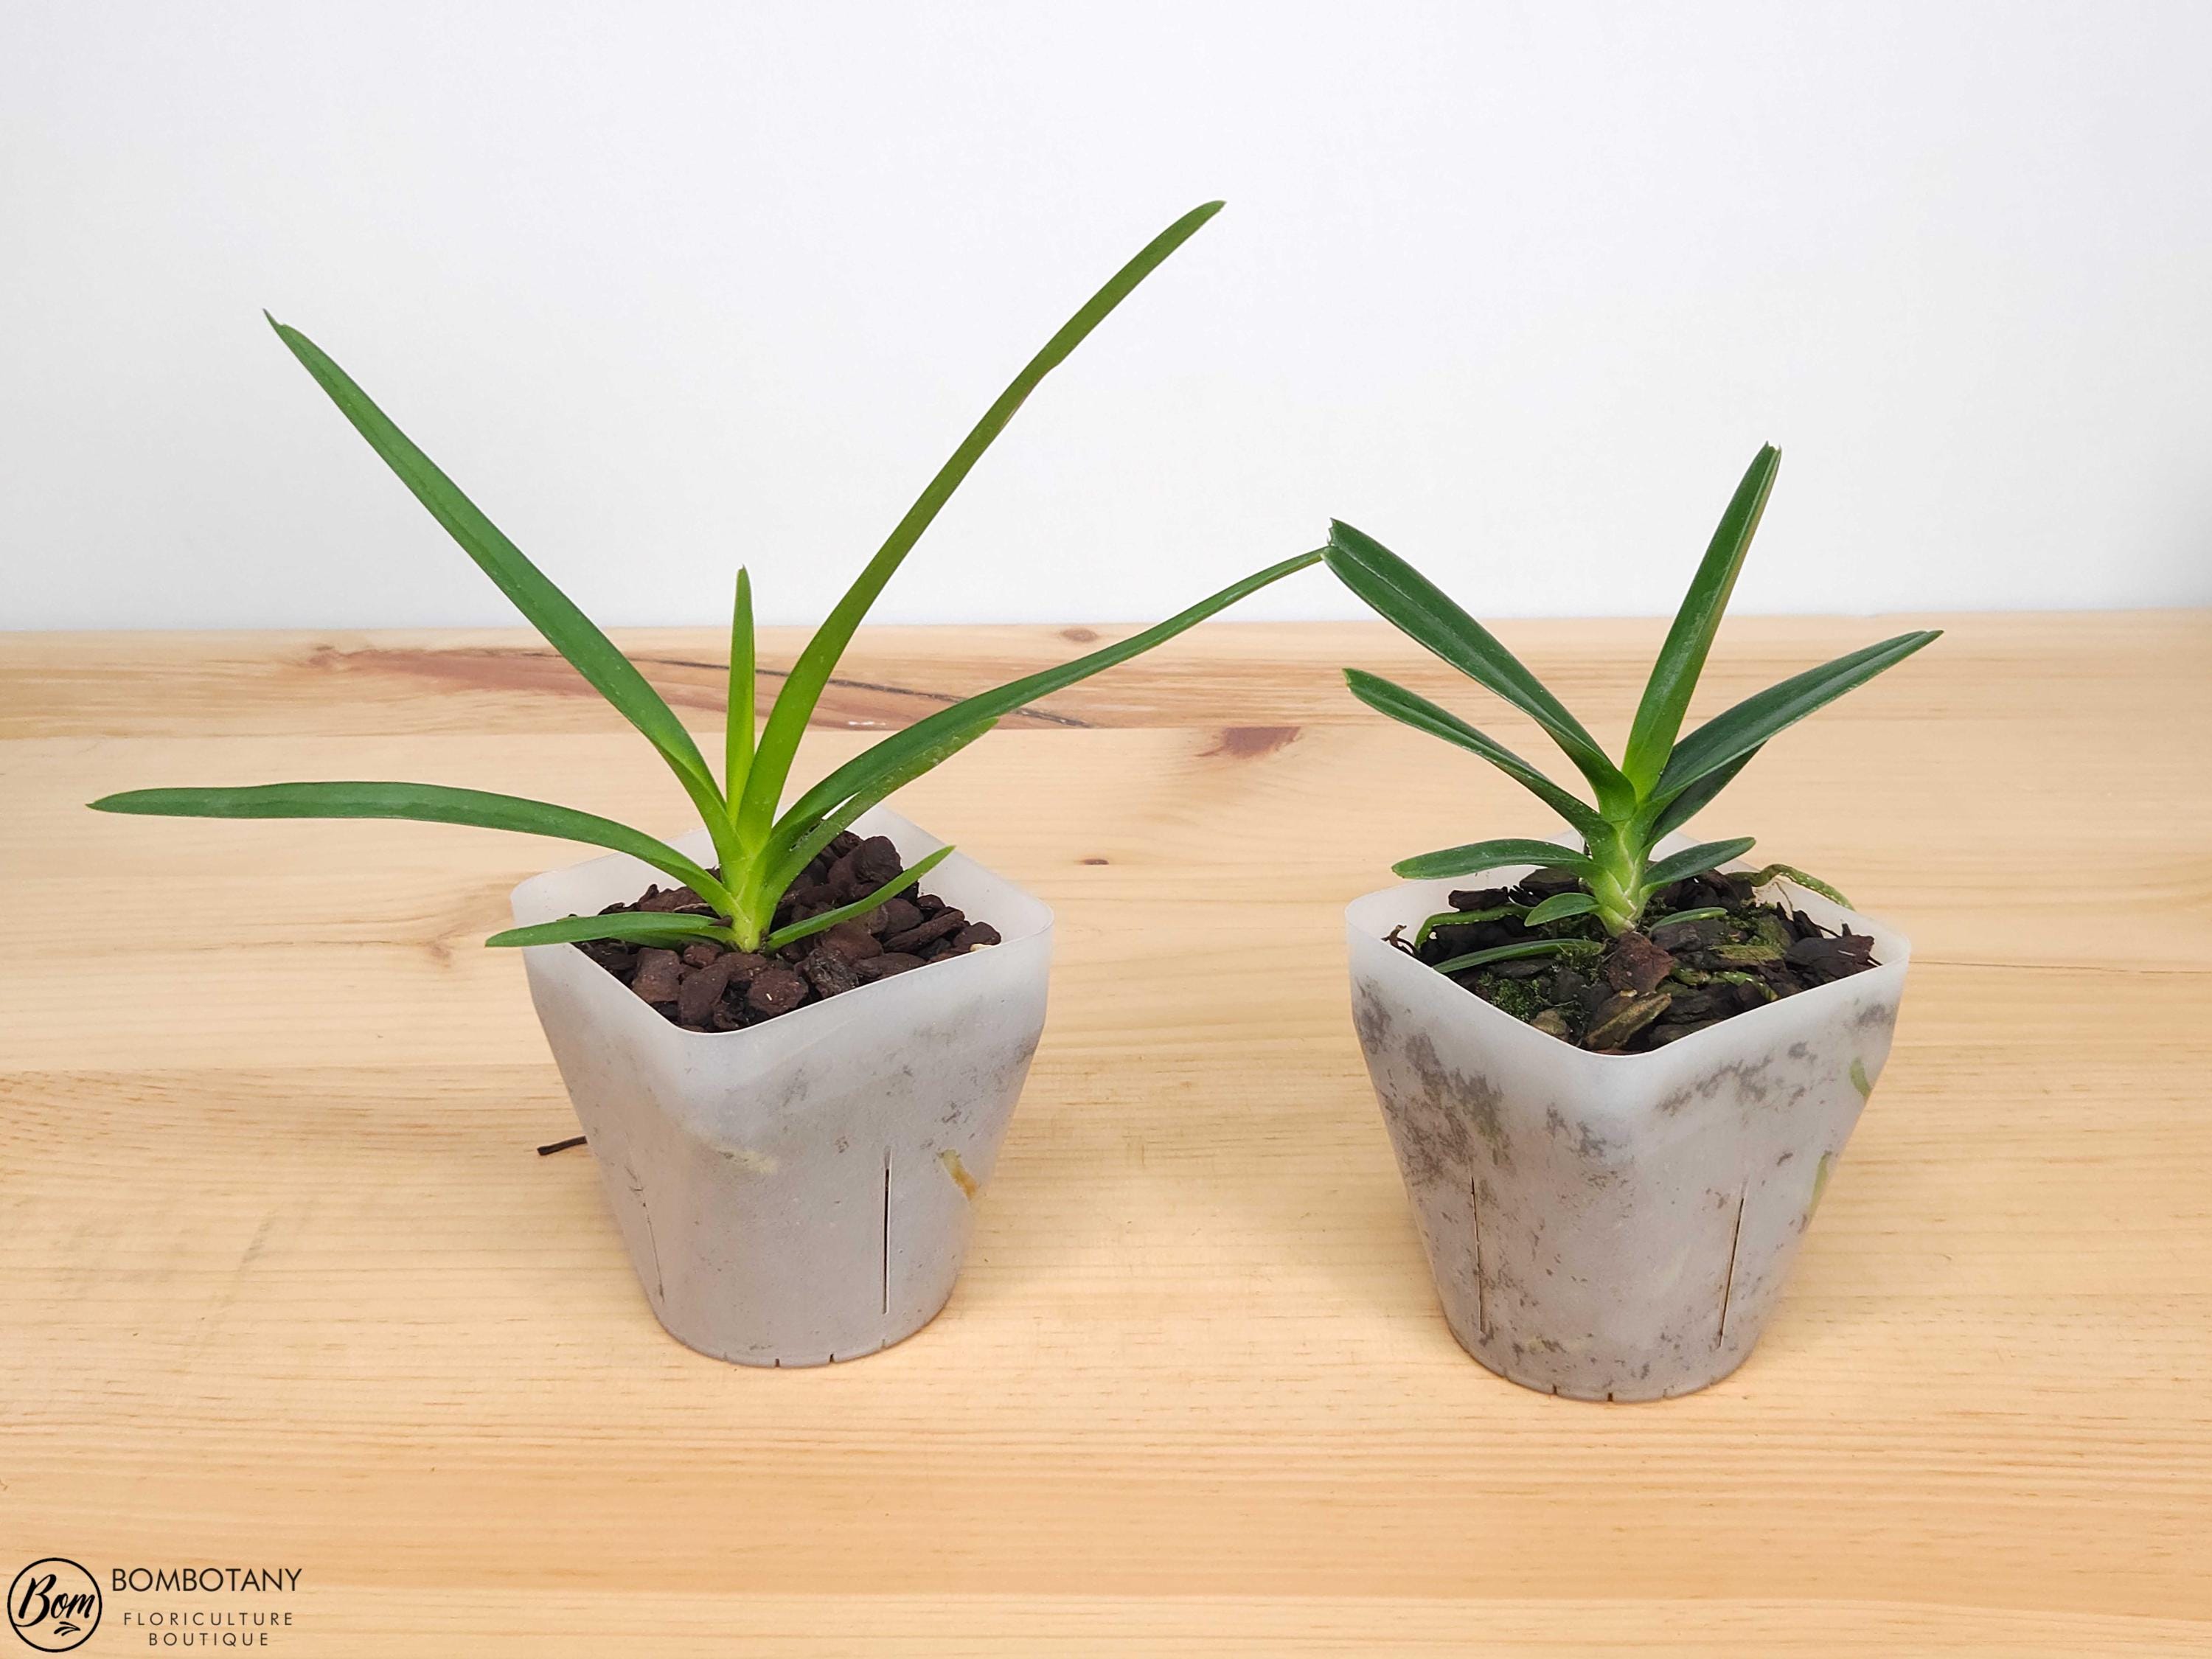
<point x="1559" y="905"/>
<point x="853" y="912"/>
<point x="737" y="730"/>
<point x="630" y="926"/>
<point x="794" y="703"/>
<point x="1420" y="610"/>
<point x="1702" y="913"/>
<point x="1535" y="947"/>
<point x="1695" y="799"/>
<point x="1682" y="658"/>
<point x="1411" y="708"/>
<point x="1015" y="694"/>
<point x="1492" y="855"/>
<point x="425" y="803"/>
<point x="1740" y="730"/>
<point x="1693" y="861"/>
<point x="784" y="864"/>
<point x="566" y="627"/>
<point x="1444" y="919"/>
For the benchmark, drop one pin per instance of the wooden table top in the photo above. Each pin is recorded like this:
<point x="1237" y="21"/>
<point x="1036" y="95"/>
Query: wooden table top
<point x="284" y="1282"/>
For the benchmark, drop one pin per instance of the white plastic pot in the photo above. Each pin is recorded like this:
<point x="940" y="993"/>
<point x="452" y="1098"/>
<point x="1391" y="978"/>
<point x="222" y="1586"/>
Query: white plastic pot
<point x="800" y="1191"/>
<point x="1611" y="1227"/>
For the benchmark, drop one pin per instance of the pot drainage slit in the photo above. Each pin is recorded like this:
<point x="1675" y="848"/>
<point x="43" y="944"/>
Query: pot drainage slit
<point x="887" y="1232"/>
<point x="1728" y="1285"/>
<point x="1481" y="1299"/>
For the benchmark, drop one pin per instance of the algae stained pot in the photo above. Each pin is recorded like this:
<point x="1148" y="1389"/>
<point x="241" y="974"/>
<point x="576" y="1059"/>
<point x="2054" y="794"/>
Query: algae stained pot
<point x="800" y="1191"/>
<point x="1611" y="1227"/>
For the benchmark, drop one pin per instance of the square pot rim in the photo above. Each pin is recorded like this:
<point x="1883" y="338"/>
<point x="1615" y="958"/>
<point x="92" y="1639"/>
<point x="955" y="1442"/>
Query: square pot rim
<point x="795" y="1025"/>
<point x="1895" y="948"/>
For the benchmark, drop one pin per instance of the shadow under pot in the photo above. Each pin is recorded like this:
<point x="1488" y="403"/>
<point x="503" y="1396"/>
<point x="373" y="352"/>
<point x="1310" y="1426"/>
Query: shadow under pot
<point x="1613" y="1226"/>
<point x="798" y="1191"/>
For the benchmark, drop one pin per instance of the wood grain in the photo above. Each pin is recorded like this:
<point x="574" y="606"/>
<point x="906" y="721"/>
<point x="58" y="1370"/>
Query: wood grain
<point x="284" y="1281"/>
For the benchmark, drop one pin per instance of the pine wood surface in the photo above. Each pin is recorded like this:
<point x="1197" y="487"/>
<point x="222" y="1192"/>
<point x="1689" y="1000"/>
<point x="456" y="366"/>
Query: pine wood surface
<point x="283" y="1281"/>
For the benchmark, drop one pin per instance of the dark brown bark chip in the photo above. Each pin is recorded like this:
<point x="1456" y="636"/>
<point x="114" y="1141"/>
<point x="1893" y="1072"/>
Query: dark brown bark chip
<point x="944" y="922"/>
<point x="1833" y="958"/>
<point x="876" y="861"/>
<point x="1636" y="964"/>
<point x="657" y="973"/>
<point x="975" y="934"/>
<point x="699" y="955"/>
<point x="671" y="898"/>
<point x="1677" y="936"/>
<point x="702" y="989"/>
<point x="616" y="958"/>
<point x="829" y="973"/>
<point x="850" y="941"/>
<point x="776" y="989"/>
<point x="883" y="967"/>
<point x="895" y="915"/>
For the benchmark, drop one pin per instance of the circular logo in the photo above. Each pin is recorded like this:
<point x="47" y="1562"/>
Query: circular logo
<point x="53" y="1605"/>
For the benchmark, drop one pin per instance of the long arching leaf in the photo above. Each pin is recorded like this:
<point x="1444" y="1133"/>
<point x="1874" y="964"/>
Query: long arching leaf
<point x="859" y="908"/>
<point x="794" y="703"/>
<point x="1743" y="728"/>
<point x="1693" y="861"/>
<point x="894" y="751"/>
<point x="1418" y="608"/>
<point x="1682" y="658"/>
<point x="424" y="803"/>
<point x="1695" y="799"/>
<point x="1411" y="708"/>
<point x="1558" y="905"/>
<point x="1492" y="855"/>
<point x="565" y="627"/>
<point x="783" y="865"/>
<point x="737" y="736"/>
<point x="631" y="926"/>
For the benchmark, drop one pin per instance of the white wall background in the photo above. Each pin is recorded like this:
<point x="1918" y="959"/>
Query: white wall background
<point x="1518" y="287"/>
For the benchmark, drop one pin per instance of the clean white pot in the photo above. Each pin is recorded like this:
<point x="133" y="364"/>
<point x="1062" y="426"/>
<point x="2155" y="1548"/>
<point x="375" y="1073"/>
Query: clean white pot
<point x="798" y="1192"/>
<point x="1611" y="1227"/>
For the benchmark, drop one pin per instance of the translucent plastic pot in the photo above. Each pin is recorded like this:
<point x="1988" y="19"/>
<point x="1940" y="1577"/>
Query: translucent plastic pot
<point x="800" y="1191"/>
<point x="1611" y="1227"/>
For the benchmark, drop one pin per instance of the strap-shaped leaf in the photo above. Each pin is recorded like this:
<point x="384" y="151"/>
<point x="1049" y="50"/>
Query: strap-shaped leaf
<point x="1558" y="905"/>
<point x="566" y="627"/>
<point x="787" y="862"/>
<point x="1682" y="658"/>
<point x="1694" y="800"/>
<point x="1444" y="919"/>
<point x="1411" y="708"/>
<point x="1418" y="608"/>
<point x="1492" y="855"/>
<point x="1693" y="861"/>
<point x="631" y="926"/>
<point x="794" y="703"/>
<point x="424" y="803"/>
<point x="893" y="753"/>
<point x="853" y="912"/>
<point x="1535" y="947"/>
<point x="1742" y="729"/>
<point x="737" y="734"/>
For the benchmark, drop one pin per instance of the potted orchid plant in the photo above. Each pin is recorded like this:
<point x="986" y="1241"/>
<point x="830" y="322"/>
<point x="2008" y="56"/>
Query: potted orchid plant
<point x="1616" y="1067"/>
<point x="795" y="1062"/>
